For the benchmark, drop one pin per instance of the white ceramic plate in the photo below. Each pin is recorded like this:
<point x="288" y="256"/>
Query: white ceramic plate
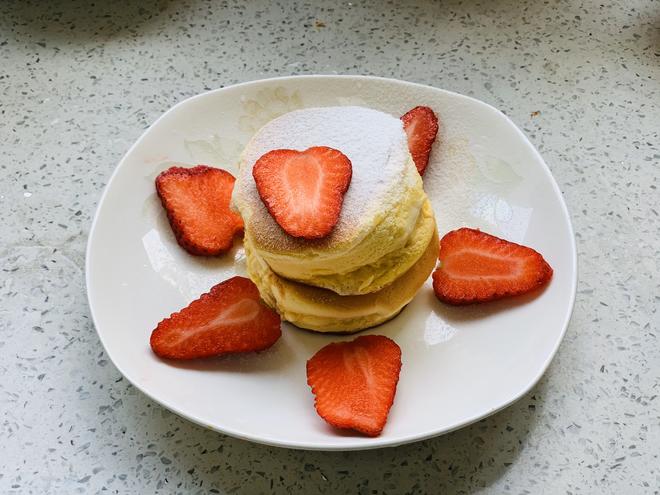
<point x="459" y="364"/>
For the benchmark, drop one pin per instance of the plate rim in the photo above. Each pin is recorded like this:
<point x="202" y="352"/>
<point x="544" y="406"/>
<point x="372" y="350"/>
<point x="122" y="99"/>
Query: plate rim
<point x="359" y="443"/>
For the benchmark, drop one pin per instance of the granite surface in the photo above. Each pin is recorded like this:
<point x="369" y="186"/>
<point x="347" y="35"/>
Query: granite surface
<point x="80" y="81"/>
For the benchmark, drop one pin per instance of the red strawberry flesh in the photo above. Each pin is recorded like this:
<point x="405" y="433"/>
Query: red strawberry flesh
<point x="479" y="267"/>
<point x="304" y="190"/>
<point x="421" y="126"/>
<point x="355" y="382"/>
<point x="197" y="204"/>
<point x="228" y="319"/>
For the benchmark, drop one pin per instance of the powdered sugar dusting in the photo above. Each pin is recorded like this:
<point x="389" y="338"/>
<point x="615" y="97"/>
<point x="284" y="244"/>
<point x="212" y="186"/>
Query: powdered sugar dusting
<point x="374" y="142"/>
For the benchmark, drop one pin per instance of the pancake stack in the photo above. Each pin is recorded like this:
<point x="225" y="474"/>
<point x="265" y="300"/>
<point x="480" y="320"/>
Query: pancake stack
<point x="384" y="245"/>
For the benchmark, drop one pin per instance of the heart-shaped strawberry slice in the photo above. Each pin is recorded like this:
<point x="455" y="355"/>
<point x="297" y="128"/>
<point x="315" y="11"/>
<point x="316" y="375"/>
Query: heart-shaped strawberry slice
<point x="197" y="204"/>
<point x="355" y="382"/>
<point x="304" y="190"/>
<point x="229" y="319"/>
<point x="479" y="267"/>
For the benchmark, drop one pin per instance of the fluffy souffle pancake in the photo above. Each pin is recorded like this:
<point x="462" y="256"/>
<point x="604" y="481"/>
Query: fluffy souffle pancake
<point x="323" y="310"/>
<point x="385" y="223"/>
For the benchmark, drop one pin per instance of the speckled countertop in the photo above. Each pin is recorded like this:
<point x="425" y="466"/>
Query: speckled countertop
<point x="80" y="81"/>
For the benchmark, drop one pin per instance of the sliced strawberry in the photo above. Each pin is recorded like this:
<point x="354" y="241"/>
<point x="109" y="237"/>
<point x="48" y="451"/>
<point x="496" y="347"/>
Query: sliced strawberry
<point x="355" y="382"/>
<point x="230" y="318"/>
<point x="197" y="204"/>
<point x="421" y="126"/>
<point x="478" y="267"/>
<point x="304" y="190"/>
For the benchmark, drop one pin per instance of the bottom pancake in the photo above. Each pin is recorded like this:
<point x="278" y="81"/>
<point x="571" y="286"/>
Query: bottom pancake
<point x="322" y="310"/>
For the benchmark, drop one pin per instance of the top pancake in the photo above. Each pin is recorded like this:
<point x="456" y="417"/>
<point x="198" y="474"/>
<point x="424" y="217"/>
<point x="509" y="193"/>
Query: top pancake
<point x="380" y="208"/>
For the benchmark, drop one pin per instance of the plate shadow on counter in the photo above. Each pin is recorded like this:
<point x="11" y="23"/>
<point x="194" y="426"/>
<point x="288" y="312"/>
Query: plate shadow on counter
<point x="79" y="21"/>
